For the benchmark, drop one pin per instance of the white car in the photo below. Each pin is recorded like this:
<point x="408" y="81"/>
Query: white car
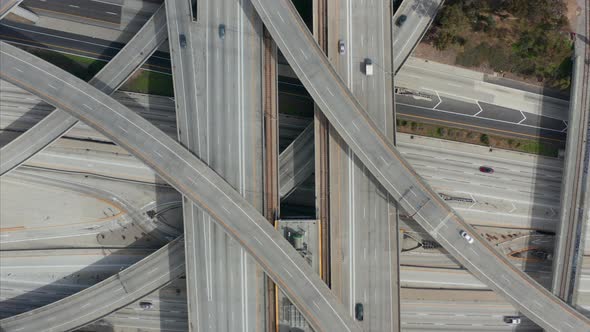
<point x="512" y="320"/>
<point x="466" y="236"/>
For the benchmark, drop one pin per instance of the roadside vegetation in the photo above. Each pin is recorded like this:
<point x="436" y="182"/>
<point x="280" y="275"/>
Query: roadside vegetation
<point x="527" y="38"/>
<point x="531" y="146"/>
<point x="143" y="81"/>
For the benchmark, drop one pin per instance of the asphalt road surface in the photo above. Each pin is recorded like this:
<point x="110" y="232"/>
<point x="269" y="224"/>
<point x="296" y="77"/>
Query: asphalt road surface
<point x="396" y="175"/>
<point x="92" y="10"/>
<point x="221" y="78"/>
<point x="363" y="216"/>
<point x="190" y="176"/>
<point x="85" y="46"/>
<point x="105" y="297"/>
<point x="107" y="80"/>
<point x="419" y="15"/>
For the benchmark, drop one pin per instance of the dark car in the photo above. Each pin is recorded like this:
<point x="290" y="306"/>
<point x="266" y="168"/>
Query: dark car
<point x="359" y="311"/>
<point x="486" y="169"/>
<point x="145" y="305"/>
<point x="400" y="20"/>
<point x="182" y="41"/>
<point x="222" y="31"/>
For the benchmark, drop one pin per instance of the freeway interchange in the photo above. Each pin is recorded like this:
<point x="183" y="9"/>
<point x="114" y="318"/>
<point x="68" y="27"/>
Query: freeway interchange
<point x="226" y="204"/>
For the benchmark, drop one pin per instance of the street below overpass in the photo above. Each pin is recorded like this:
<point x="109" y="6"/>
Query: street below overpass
<point x="463" y="111"/>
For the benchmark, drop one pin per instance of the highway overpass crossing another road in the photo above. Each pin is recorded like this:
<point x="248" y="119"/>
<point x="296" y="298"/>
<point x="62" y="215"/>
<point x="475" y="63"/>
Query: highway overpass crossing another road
<point x="396" y="175"/>
<point x="187" y="174"/>
<point x="113" y="75"/>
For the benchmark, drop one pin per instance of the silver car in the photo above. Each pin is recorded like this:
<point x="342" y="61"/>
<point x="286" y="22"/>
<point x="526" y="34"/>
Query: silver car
<point x="341" y="48"/>
<point x="466" y="236"/>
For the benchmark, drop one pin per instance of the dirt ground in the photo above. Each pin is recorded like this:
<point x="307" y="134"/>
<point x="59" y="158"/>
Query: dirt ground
<point x="448" y="56"/>
<point x="572" y="8"/>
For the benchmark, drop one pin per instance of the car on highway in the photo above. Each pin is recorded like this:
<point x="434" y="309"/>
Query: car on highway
<point x="486" y="169"/>
<point x="222" y="31"/>
<point x="466" y="236"/>
<point x="145" y="305"/>
<point x="341" y="47"/>
<point x="368" y="67"/>
<point x="512" y="320"/>
<point x="400" y="20"/>
<point x="359" y="311"/>
<point x="182" y="39"/>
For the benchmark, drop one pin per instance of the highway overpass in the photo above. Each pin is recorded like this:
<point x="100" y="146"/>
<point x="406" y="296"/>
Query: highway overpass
<point x="218" y="89"/>
<point x="105" y="297"/>
<point x="7" y="5"/>
<point x="187" y="174"/>
<point x="363" y="217"/>
<point x="419" y="16"/>
<point x="422" y="203"/>
<point x="575" y="198"/>
<point x="113" y="75"/>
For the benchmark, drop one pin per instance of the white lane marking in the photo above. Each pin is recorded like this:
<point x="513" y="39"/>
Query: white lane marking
<point x="304" y="55"/>
<point x="107" y="2"/>
<point x="523" y="117"/>
<point x="88" y="107"/>
<point x="355" y="125"/>
<point x="472" y="116"/>
<point x="439" y="100"/>
<point x="152" y="270"/>
<point x="123" y="129"/>
<point x="317" y="306"/>
<point x="258" y="240"/>
<point x="159" y="154"/>
<point x="329" y="91"/>
<point x="480" y="108"/>
<point x="279" y="14"/>
<point x="49" y="238"/>
<point x="73" y="6"/>
<point x="111" y="13"/>
<point x="289" y="273"/>
<point x="226" y="210"/>
<point x="18" y="69"/>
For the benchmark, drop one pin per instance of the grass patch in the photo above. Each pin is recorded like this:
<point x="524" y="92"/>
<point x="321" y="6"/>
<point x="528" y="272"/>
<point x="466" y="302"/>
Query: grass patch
<point x="81" y="67"/>
<point x="150" y="82"/>
<point x="143" y="81"/>
<point x="474" y="137"/>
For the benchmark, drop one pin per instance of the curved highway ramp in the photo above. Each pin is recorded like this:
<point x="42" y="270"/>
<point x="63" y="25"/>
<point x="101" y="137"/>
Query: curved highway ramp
<point x="113" y="75"/>
<point x="413" y="194"/>
<point x="188" y="175"/>
<point x="95" y="302"/>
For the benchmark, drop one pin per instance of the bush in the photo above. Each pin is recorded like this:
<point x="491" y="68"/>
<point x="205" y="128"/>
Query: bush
<point x="404" y="123"/>
<point x="485" y="139"/>
<point x="413" y="125"/>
